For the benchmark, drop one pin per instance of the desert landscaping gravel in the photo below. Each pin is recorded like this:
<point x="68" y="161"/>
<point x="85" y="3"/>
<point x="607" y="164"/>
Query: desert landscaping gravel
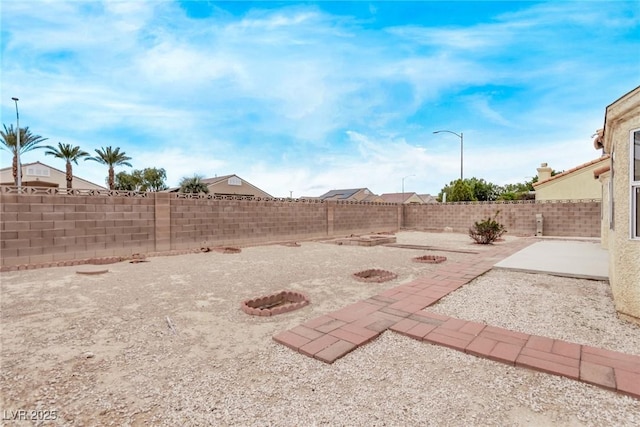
<point x="165" y="342"/>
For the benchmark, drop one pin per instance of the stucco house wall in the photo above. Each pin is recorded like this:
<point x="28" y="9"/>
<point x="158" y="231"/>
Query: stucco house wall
<point x="574" y="184"/>
<point x="230" y="185"/>
<point x="236" y="185"/>
<point x="38" y="174"/>
<point x="621" y="120"/>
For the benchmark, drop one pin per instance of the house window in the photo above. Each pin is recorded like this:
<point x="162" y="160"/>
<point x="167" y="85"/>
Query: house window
<point x="635" y="183"/>
<point x="38" y="171"/>
<point x="234" y="180"/>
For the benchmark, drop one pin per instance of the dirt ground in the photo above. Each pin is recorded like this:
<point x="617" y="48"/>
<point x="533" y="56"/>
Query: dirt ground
<point x="164" y="342"/>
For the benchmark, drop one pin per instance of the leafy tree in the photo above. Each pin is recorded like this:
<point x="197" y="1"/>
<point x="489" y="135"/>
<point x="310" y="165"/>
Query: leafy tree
<point x="462" y="191"/>
<point x="519" y="191"/>
<point x="472" y="189"/>
<point x="110" y="157"/>
<point x="458" y="191"/>
<point x="127" y="181"/>
<point x="484" y="191"/>
<point x="193" y="184"/>
<point x="28" y="142"/>
<point x="153" y="179"/>
<point x="69" y="154"/>
<point x="149" y="179"/>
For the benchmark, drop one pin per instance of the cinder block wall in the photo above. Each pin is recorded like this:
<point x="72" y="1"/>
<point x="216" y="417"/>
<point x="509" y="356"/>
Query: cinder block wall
<point x="225" y="222"/>
<point x="568" y="219"/>
<point x="46" y="228"/>
<point x="43" y="227"/>
<point x="365" y="217"/>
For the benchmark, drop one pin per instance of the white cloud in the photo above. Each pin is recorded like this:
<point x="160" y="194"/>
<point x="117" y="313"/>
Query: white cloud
<point x="296" y="99"/>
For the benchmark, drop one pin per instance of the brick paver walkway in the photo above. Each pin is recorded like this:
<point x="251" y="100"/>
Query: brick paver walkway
<point x="400" y="309"/>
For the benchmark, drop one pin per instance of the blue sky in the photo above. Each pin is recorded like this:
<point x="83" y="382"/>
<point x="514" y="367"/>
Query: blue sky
<point x="305" y="97"/>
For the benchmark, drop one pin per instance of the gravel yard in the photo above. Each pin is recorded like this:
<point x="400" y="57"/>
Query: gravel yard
<point x="100" y="350"/>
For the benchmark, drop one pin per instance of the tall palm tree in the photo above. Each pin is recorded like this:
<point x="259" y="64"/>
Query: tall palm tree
<point x="68" y="153"/>
<point x="28" y="142"/>
<point x="110" y="157"/>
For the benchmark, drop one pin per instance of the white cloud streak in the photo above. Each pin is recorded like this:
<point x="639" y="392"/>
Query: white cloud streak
<point x="293" y="98"/>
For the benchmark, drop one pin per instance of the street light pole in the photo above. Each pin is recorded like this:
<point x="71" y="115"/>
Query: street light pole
<point x="19" y="180"/>
<point x="461" y="148"/>
<point x="403" y="185"/>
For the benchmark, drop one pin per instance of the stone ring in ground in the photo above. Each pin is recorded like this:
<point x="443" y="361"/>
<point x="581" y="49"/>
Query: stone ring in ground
<point x="374" y="276"/>
<point x="430" y="259"/>
<point x="270" y="305"/>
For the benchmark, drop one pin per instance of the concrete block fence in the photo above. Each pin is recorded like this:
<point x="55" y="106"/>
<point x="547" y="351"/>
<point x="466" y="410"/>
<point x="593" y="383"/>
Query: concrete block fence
<point x="561" y="218"/>
<point x="46" y="226"/>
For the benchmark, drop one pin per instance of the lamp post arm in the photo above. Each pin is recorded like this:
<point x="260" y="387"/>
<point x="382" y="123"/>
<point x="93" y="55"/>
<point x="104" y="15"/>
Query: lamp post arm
<point x="461" y="136"/>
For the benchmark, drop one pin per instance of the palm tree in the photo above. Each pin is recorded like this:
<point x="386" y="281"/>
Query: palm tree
<point x="28" y="142"/>
<point x="110" y="157"/>
<point x="68" y="153"/>
<point x="193" y="184"/>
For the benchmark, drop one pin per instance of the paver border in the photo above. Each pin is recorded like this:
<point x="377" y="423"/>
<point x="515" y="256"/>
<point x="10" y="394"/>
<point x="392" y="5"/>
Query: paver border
<point x="401" y="309"/>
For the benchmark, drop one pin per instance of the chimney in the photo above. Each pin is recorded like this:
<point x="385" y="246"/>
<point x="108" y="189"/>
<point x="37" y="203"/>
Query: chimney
<point x="544" y="172"/>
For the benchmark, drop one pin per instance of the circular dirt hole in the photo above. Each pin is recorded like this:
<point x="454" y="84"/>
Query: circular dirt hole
<point x="91" y="272"/>
<point x="374" y="276"/>
<point x="292" y="244"/>
<point x="430" y="259"/>
<point x="228" y="250"/>
<point x="270" y="305"/>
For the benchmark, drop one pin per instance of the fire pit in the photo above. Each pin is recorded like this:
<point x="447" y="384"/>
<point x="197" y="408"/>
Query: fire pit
<point x="270" y="305"/>
<point x="430" y="259"/>
<point x="374" y="276"/>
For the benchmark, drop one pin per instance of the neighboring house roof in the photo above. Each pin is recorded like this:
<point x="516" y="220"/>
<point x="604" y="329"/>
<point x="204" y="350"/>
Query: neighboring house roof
<point x="428" y="198"/>
<point x="38" y="173"/>
<point x="345" y="194"/>
<point x="217" y="179"/>
<point x="373" y="198"/>
<point x="229" y="185"/>
<point x="401" y="198"/>
<point x="572" y="170"/>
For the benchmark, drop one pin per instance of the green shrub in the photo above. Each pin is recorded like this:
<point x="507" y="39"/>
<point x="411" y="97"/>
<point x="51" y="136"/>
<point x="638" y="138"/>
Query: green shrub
<point x="487" y="231"/>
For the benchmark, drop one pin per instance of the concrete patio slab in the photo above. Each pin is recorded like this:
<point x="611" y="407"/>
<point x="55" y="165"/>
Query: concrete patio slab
<point x="585" y="260"/>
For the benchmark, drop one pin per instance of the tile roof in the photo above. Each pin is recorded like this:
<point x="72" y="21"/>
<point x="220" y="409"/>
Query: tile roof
<point x="340" y="194"/>
<point x="396" y="197"/>
<point x="572" y="170"/>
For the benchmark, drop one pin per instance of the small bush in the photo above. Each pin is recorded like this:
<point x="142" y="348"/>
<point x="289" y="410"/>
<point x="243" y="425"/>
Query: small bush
<point x="487" y="231"/>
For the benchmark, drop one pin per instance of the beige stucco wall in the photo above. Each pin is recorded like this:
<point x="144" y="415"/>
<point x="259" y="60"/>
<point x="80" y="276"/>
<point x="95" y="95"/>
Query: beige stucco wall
<point x="243" y="189"/>
<point x="576" y="185"/>
<point x="414" y="199"/>
<point x="622" y="117"/>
